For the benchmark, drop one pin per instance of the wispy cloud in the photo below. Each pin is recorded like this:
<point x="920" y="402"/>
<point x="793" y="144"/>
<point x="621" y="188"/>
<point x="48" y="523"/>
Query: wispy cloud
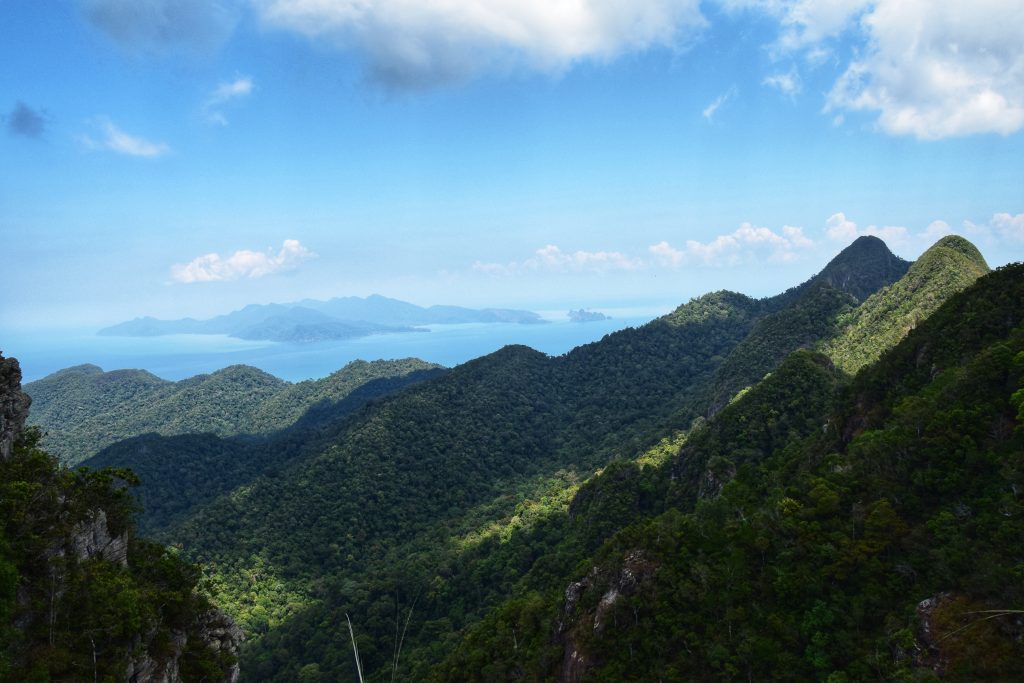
<point x="551" y="258"/>
<point x="26" y="121"/>
<point x="116" y="140"/>
<point x="787" y="83"/>
<point x="416" y="44"/>
<point x="224" y="93"/>
<point x="711" y="109"/>
<point x="241" y="264"/>
<point x="1002" y="226"/>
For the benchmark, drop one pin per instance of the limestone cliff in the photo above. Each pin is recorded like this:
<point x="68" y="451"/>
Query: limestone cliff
<point x="81" y="598"/>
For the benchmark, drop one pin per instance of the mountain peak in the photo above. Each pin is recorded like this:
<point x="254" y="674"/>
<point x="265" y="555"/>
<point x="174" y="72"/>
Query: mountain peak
<point x="962" y="247"/>
<point x="861" y="269"/>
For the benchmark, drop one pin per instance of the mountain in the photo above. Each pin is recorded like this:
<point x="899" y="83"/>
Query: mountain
<point x="856" y="270"/>
<point x="81" y="597"/>
<point x="815" y="529"/>
<point x="518" y="508"/>
<point x="84" y="409"/>
<point x="312" y="320"/>
<point x="949" y="266"/>
<point x="427" y="472"/>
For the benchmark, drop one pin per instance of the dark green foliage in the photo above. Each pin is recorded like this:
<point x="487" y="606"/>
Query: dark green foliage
<point x="78" y="615"/>
<point x="424" y="492"/>
<point x="860" y="270"/>
<point x="179" y="473"/>
<point x="806" y="321"/>
<point x="84" y="409"/>
<point x="809" y="558"/>
<point x="755" y="548"/>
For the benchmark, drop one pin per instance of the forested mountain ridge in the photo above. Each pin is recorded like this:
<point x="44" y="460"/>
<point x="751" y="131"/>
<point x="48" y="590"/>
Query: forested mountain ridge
<point x="444" y="453"/>
<point x="84" y="409"/>
<point x="949" y="266"/>
<point x="81" y="598"/>
<point x="471" y="494"/>
<point x="877" y="541"/>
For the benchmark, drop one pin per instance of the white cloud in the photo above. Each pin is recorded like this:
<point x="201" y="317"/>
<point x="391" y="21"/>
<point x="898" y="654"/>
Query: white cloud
<point x="939" y="68"/>
<point x="225" y="92"/>
<point x="411" y="43"/>
<point x="747" y="244"/>
<point x="709" y="111"/>
<point x="841" y="229"/>
<point x="116" y="140"/>
<point x="931" y="69"/>
<point x="551" y="258"/>
<point x="935" y="231"/>
<point x="1002" y="226"/>
<point x="787" y="83"/>
<point x="241" y="264"/>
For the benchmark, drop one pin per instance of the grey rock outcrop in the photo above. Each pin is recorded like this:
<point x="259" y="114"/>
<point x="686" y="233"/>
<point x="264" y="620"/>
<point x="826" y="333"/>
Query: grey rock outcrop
<point x="634" y="570"/>
<point x="91" y="539"/>
<point x="14" y="405"/>
<point x="214" y="630"/>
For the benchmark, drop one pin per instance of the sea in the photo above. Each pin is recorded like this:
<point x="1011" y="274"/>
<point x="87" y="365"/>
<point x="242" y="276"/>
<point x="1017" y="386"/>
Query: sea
<point x="176" y="357"/>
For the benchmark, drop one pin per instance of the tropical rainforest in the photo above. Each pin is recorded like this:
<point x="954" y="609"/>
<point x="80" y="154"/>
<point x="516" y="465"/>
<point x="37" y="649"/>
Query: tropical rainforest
<point x="821" y="485"/>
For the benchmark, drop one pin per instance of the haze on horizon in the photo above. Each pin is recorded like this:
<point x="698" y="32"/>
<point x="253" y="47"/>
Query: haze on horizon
<point x="187" y="157"/>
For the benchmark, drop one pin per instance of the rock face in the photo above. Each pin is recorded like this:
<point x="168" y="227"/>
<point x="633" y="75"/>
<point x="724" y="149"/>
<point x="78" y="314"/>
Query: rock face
<point x="215" y="630"/>
<point x="14" y="405"/>
<point x="634" y="570"/>
<point x="91" y="539"/>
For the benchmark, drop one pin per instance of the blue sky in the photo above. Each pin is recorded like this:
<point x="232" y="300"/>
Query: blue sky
<point x="186" y="157"/>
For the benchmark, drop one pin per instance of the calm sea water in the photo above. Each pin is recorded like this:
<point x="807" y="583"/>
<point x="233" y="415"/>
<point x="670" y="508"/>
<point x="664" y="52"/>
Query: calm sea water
<point x="175" y="357"/>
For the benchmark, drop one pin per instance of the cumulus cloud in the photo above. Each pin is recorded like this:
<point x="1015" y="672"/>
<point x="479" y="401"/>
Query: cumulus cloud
<point x="416" y="44"/>
<point x="224" y="93"/>
<point x="939" y="68"/>
<point x="711" y="109"/>
<point x="161" y="26"/>
<point x="116" y="140"/>
<point x="25" y="121"/>
<point x="748" y="243"/>
<point x="930" y="69"/>
<point x="841" y="229"/>
<point x="241" y="264"/>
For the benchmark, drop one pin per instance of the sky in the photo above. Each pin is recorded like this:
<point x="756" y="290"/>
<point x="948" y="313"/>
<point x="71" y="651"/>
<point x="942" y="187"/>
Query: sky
<point x="187" y="157"/>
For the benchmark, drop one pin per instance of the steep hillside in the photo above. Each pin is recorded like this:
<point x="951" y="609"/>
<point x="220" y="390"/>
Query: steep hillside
<point x="879" y="541"/>
<point x="860" y="270"/>
<point x="84" y="409"/>
<point x="949" y="266"/>
<point x="80" y="597"/>
<point x="182" y="472"/>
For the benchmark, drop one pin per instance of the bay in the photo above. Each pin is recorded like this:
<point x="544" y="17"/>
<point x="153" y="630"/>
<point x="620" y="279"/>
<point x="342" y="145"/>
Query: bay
<point x="176" y="357"/>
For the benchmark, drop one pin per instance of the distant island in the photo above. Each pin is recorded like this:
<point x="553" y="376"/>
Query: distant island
<point x="582" y="316"/>
<point x="310" y="320"/>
